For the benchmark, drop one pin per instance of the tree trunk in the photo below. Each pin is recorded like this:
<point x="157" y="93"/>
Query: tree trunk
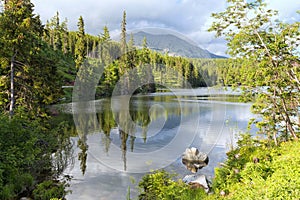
<point x="12" y="83"/>
<point x="287" y="117"/>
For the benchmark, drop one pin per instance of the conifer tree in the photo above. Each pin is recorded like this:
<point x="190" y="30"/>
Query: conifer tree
<point x="80" y="46"/>
<point x="123" y="34"/>
<point x="18" y="31"/>
<point x="65" y="36"/>
<point x="145" y="52"/>
<point x="105" y="36"/>
<point x="123" y="63"/>
<point x="57" y="43"/>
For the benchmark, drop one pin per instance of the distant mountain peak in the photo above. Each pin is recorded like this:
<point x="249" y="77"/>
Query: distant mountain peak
<point x="172" y="44"/>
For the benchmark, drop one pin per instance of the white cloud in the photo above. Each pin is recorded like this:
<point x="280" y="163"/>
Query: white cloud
<point x="287" y="9"/>
<point x="190" y="17"/>
<point x="188" y="14"/>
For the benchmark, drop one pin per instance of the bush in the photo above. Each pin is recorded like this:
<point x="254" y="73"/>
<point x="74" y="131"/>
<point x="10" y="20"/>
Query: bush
<point x="27" y="148"/>
<point x="49" y="190"/>
<point x="254" y="170"/>
<point x="275" y="173"/>
<point x="159" y="185"/>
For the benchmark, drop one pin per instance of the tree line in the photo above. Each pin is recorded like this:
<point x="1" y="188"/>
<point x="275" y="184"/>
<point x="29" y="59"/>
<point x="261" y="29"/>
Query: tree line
<point x="35" y="149"/>
<point x="119" y="58"/>
<point x="36" y="60"/>
<point x="265" y="65"/>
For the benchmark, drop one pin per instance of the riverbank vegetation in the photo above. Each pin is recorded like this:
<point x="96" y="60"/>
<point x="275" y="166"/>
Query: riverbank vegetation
<point x="38" y="67"/>
<point x="34" y="154"/>
<point x="255" y="169"/>
<point x="270" y="50"/>
<point x="34" y="150"/>
<point x="267" y="53"/>
<point x="39" y="64"/>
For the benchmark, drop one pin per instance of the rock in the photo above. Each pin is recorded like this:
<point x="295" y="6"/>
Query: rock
<point x="196" y="186"/>
<point x="194" y="160"/>
<point x="25" y="198"/>
<point x="197" y="181"/>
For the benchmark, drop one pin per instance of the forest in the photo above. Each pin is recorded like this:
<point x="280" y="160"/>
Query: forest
<point x="37" y="64"/>
<point x="40" y="63"/>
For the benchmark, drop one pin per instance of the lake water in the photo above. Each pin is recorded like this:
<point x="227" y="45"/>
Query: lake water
<point x="122" y="138"/>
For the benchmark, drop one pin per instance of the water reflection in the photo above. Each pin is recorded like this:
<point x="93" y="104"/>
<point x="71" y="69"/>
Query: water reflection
<point x="146" y="121"/>
<point x="108" y="134"/>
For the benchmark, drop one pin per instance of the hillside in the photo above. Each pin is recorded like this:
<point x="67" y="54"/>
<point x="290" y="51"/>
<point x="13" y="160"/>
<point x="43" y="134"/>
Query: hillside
<point x="172" y="44"/>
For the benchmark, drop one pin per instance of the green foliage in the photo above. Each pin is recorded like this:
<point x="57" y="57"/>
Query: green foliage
<point x="123" y="34"/>
<point x="105" y="37"/>
<point x="256" y="169"/>
<point x="35" y="69"/>
<point x="27" y="149"/>
<point x="236" y="160"/>
<point x="69" y="49"/>
<point x="224" y="72"/>
<point x="49" y="190"/>
<point x="159" y="185"/>
<point x="18" y="155"/>
<point x="80" y="46"/>
<point x="272" y="49"/>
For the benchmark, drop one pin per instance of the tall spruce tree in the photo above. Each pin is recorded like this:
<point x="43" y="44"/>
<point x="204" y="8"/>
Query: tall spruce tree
<point x="25" y="59"/>
<point x="123" y="34"/>
<point x="80" y="46"/>
<point x="124" y="58"/>
<point x="65" y="36"/>
<point x="57" y="42"/>
<point x="146" y="68"/>
<point x="15" y="19"/>
<point x="105" y="36"/>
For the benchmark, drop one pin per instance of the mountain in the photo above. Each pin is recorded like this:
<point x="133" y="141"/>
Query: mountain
<point x="172" y="44"/>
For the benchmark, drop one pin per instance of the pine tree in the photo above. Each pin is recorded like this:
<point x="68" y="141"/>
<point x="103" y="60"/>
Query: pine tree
<point x="57" y="42"/>
<point x="131" y="42"/>
<point x="124" y="59"/>
<point x="72" y="42"/>
<point x="80" y="46"/>
<point x="145" y="52"/>
<point x="65" y="36"/>
<point x="56" y="34"/>
<point x="18" y="29"/>
<point x="123" y="34"/>
<point x="105" y="36"/>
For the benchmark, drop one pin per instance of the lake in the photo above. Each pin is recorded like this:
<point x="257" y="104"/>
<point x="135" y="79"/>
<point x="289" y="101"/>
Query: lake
<point x="122" y="138"/>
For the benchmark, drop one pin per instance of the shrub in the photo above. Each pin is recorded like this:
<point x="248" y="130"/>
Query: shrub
<point x="159" y="185"/>
<point x="254" y="170"/>
<point x="49" y="189"/>
<point x="27" y="147"/>
<point x="275" y="176"/>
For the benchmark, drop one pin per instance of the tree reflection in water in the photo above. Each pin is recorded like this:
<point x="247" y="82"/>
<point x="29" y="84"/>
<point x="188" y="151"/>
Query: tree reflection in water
<point x="127" y="122"/>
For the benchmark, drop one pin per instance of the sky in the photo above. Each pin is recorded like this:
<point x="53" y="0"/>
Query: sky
<point x="188" y="17"/>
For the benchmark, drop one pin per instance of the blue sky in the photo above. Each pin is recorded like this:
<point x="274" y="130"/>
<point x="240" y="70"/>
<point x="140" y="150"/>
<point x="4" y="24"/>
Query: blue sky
<point x="189" y="17"/>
